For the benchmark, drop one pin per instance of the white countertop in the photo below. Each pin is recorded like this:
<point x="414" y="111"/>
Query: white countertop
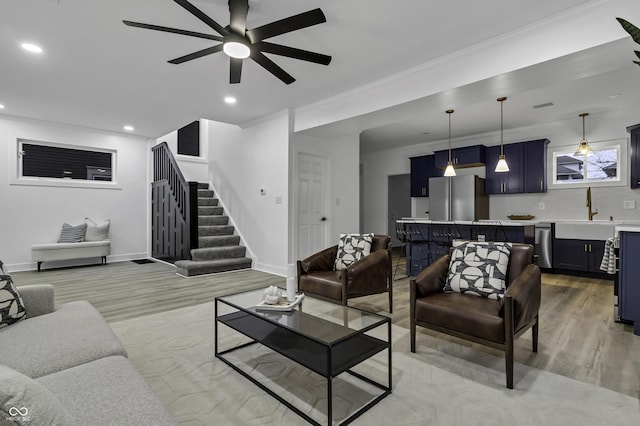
<point x="626" y="228"/>
<point x="467" y="222"/>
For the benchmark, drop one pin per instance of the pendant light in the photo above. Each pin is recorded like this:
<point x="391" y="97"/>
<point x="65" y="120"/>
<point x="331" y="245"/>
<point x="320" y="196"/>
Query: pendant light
<point x="449" y="171"/>
<point x="583" y="148"/>
<point x="502" y="165"/>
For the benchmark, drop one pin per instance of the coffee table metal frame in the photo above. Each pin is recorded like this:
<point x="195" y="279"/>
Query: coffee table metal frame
<point x="335" y="348"/>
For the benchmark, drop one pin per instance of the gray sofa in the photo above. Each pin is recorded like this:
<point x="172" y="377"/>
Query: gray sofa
<point x="65" y="366"/>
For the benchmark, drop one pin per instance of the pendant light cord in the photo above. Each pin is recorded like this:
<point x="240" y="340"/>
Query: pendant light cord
<point x="501" y="100"/>
<point x="450" y="137"/>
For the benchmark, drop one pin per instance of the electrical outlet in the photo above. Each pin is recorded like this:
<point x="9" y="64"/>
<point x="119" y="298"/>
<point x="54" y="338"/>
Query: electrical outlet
<point x="279" y="199"/>
<point x="541" y="205"/>
<point x="629" y="204"/>
<point x="481" y="237"/>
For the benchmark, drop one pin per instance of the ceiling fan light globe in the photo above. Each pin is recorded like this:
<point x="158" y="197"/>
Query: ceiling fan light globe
<point x="236" y="49"/>
<point x="502" y="165"/>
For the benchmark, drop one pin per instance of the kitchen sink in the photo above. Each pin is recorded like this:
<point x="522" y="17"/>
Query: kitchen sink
<point x="586" y="230"/>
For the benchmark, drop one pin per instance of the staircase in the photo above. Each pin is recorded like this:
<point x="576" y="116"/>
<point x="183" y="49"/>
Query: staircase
<point x="218" y="249"/>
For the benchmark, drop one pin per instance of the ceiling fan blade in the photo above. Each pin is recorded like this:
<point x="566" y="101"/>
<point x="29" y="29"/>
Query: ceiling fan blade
<point x="292" y="23"/>
<point x="203" y="17"/>
<point x="272" y="67"/>
<point x="292" y="52"/>
<point x="196" y="55"/>
<point x="172" y="30"/>
<point x="238" y="10"/>
<point x="235" y="70"/>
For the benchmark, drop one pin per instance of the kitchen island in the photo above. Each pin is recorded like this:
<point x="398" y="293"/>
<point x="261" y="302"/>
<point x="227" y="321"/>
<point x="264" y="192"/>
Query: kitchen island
<point x="626" y="285"/>
<point x="427" y="240"/>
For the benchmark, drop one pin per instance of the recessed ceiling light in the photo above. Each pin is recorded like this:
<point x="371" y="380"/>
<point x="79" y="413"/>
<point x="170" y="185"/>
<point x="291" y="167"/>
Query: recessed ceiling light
<point x="30" y="47"/>
<point x="230" y="100"/>
<point x="1" y="106"/>
<point x="128" y="128"/>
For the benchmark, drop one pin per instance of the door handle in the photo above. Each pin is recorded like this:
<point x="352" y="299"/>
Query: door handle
<point x="324" y="219"/>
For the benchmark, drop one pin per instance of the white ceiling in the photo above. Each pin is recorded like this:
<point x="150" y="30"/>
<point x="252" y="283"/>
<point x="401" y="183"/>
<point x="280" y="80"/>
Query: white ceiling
<point x="97" y="72"/>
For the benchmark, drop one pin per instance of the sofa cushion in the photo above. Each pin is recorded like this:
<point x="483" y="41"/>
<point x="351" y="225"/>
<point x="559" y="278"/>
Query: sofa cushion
<point x="351" y="248"/>
<point x="478" y="268"/>
<point x="25" y="401"/>
<point x="72" y="335"/>
<point x="322" y="283"/>
<point x="108" y="391"/>
<point x="474" y="316"/>
<point x="72" y="234"/>
<point x="97" y="231"/>
<point x="11" y="305"/>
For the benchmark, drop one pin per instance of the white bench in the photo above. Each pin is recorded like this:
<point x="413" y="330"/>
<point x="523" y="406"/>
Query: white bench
<point x="66" y="251"/>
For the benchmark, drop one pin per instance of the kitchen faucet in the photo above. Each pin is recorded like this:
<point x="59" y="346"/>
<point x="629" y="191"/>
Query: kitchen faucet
<point x="591" y="214"/>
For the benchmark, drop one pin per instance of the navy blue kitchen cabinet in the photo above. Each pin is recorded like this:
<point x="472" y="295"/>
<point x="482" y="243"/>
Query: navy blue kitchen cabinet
<point x="629" y="279"/>
<point x="426" y="244"/>
<point x="578" y="255"/>
<point x="527" y="168"/>
<point x="634" y="158"/>
<point x="511" y="182"/>
<point x="422" y="168"/>
<point x="535" y="166"/>
<point x="468" y="156"/>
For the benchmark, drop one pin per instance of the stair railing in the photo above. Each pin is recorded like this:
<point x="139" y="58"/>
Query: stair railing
<point x="174" y="203"/>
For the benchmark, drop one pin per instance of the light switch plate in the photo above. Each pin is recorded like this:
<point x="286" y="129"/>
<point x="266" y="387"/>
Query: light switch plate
<point x="541" y="205"/>
<point x="629" y="204"/>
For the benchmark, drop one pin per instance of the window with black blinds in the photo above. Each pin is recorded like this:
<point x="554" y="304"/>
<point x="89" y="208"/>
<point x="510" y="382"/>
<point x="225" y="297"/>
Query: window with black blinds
<point x="189" y="139"/>
<point x="65" y="163"/>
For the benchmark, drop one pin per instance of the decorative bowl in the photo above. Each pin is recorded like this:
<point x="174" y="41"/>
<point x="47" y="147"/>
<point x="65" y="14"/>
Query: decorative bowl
<point x="520" y="216"/>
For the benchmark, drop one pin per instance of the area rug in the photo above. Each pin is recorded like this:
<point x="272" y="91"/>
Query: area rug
<point x="442" y="384"/>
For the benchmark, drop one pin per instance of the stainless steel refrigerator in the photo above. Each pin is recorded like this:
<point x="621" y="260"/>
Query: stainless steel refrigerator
<point x="458" y="198"/>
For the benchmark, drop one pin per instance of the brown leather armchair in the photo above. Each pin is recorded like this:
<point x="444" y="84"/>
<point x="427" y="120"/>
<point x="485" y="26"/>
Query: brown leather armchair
<point x="369" y="275"/>
<point x="494" y="323"/>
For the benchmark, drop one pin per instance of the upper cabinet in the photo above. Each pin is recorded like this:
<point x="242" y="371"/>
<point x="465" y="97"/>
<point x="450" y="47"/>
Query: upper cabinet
<point x="535" y="166"/>
<point x="422" y="168"/>
<point x="634" y="158"/>
<point x="469" y="156"/>
<point x="511" y="182"/>
<point x="527" y="168"/>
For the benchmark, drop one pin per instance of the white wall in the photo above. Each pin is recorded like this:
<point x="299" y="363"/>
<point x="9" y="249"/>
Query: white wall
<point x="242" y="161"/>
<point x="343" y="206"/>
<point x="559" y="203"/>
<point x="35" y="214"/>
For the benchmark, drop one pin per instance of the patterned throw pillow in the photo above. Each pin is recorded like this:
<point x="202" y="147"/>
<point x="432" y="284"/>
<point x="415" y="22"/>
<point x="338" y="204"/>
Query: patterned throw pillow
<point x="351" y="248"/>
<point x="479" y="268"/>
<point x="72" y="234"/>
<point x="11" y="306"/>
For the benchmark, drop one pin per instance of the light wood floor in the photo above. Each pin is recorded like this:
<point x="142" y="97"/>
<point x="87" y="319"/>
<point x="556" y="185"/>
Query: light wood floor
<point x="578" y="337"/>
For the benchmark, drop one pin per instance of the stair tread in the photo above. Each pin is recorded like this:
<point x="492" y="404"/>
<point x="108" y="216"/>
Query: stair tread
<point x="191" y="268"/>
<point x="219" y="248"/>
<point x="234" y="260"/>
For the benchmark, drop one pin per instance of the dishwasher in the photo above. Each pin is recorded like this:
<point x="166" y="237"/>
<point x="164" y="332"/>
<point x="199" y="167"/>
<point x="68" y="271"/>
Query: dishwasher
<point x="544" y="243"/>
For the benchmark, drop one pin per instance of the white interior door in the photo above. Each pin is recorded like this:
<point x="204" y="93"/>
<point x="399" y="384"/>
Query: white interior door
<point x="312" y="215"/>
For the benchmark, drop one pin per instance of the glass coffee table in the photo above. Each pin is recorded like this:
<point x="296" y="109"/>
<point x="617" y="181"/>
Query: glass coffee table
<point x="326" y="338"/>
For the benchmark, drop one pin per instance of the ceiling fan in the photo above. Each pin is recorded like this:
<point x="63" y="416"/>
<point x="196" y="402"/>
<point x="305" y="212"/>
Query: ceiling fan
<point x="239" y="42"/>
